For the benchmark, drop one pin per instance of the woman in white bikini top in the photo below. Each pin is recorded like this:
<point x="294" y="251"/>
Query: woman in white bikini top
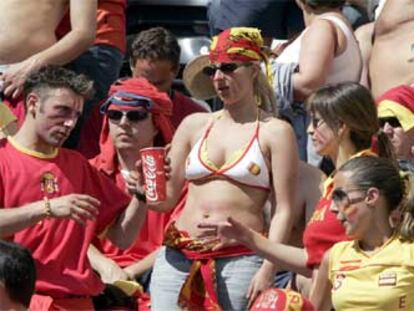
<point x="236" y="159"/>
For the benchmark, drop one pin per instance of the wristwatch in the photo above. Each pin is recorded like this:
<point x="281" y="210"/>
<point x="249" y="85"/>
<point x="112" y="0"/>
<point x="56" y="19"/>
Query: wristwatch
<point x="140" y="195"/>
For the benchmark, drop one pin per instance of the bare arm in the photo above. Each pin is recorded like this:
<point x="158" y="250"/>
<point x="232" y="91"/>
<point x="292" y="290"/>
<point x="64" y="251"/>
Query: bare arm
<point x="78" y="39"/>
<point x="13" y="220"/>
<point x="286" y="257"/>
<point x="78" y="207"/>
<point x="310" y="182"/>
<point x="123" y="232"/>
<point x="284" y="163"/>
<point x="137" y="269"/>
<point x="320" y="295"/>
<point x="108" y="270"/>
<point x="74" y="43"/>
<point x="315" y="60"/>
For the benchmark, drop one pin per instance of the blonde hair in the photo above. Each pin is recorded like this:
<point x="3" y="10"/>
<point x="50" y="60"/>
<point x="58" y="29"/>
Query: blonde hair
<point x="265" y="94"/>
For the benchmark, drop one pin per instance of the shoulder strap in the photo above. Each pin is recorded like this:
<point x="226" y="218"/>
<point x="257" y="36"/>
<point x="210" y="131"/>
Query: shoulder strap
<point x="340" y="23"/>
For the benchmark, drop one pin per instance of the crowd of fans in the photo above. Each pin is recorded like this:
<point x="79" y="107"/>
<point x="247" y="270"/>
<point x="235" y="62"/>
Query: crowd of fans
<point x="295" y="194"/>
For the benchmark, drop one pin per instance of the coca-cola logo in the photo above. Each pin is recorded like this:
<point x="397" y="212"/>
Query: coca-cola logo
<point x="150" y="173"/>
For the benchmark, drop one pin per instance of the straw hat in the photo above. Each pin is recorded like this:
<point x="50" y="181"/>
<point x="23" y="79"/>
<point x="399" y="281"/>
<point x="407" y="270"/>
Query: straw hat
<point x="197" y="83"/>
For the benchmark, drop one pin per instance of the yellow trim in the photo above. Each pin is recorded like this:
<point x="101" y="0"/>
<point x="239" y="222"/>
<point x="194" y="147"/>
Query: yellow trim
<point x="245" y="52"/>
<point x="129" y="287"/>
<point x="213" y="44"/>
<point x="235" y="156"/>
<point x="328" y="181"/>
<point x="6" y="116"/>
<point x="32" y="153"/>
<point x="389" y="108"/>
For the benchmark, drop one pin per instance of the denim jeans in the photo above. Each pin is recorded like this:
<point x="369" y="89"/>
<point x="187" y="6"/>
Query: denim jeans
<point x="102" y="64"/>
<point x="233" y="276"/>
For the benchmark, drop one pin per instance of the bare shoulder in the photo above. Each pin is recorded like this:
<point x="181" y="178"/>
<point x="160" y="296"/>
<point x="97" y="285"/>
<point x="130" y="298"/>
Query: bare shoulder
<point x="192" y="125"/>
<point x="320" y="27"/>
<point x="271" y="126"/>
<point x="196" y="119"/>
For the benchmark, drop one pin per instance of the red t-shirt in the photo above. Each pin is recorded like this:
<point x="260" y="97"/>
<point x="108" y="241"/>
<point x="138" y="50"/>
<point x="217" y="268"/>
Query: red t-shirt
<point x="323" y="229"/>
<point x="59" y="246"/>
<point x="150" y="236"/>
<point x="183" y="106"/>
<point x="110" y="24"/>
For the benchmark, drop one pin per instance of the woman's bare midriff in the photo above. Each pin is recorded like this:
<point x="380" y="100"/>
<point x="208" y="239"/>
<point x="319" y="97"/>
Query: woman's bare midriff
<point x="215" y="200"/>
<point x="27" y="27"/>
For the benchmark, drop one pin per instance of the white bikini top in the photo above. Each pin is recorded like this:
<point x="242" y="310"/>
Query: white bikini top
<point x="246" y="166"/>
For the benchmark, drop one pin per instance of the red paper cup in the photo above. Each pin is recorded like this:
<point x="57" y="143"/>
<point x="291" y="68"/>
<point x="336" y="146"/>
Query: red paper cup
<point x="154" y="174"/>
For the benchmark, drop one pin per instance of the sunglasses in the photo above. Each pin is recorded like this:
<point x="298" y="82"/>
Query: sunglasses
<point x="341" y="198"/>
<point x="225" y="68"/>
<point x="392" y="121"/>
<point x="132" y="115"/>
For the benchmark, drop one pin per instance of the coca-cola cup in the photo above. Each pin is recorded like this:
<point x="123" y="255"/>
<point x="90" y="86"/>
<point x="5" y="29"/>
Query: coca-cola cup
<point x="153" y="160"/>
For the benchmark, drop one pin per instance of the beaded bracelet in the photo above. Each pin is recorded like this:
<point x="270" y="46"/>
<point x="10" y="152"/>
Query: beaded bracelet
<point x="48" y="208"/>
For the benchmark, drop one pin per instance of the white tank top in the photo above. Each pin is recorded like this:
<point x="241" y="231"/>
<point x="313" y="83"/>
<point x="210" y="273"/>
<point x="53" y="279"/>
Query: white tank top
<point x="345" y="67"/>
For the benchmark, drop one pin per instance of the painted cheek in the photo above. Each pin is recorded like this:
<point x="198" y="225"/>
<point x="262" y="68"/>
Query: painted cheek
<point x="351" y="212"/>
<point x="320" y="136"/>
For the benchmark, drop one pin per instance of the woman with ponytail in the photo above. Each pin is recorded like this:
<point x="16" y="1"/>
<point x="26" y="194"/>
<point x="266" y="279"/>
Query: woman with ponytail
<point x="375" y="270"/>
<point x="343" y="125"/>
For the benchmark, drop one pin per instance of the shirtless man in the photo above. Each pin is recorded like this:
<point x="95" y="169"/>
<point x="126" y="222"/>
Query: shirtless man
<point x="28" y="41"/>
<point x="392" y="58"/>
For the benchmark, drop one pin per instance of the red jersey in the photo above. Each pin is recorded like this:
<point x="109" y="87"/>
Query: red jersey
<point x="110" y="24"/>
<point x="183" y="106"/>
<point x="150" y="236"/>
<point x="323" y="229"/>
<point x="59" y="246"/>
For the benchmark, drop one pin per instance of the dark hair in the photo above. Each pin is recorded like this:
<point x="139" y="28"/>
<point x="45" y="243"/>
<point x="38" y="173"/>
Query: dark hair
<point x="319" y="4"/>
<point x="156" y="44"/>
<point x="397" y="191"/>
<point x="54" y="77"/>
<point x="351" y="104"/>
<point x="17" y="272"/>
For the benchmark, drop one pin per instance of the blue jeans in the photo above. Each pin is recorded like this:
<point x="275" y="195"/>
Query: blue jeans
<point x="233" y="276"/>
<point x="102" y="64"/>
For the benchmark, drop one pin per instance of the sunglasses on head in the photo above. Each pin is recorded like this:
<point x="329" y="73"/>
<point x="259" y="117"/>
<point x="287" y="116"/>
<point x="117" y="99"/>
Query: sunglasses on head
<point x="225" y="68"/>
<point x="392" y="121"/>
<point x="340" y="197"/>
<point x="131" y="115"/>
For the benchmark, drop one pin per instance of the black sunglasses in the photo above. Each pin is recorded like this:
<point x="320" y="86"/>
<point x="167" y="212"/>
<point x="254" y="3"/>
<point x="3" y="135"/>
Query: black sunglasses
<point x="392" y="121"/>
<point x="340" y="197"/>
<point x="132" y="115"/>
<point x="225" y="68"/>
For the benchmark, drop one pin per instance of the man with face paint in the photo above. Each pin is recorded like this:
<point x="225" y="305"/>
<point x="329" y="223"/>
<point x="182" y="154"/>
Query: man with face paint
<point x="136" y="116"/>
<point x="52" y="201"/>
<point x="396" y="115"/>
